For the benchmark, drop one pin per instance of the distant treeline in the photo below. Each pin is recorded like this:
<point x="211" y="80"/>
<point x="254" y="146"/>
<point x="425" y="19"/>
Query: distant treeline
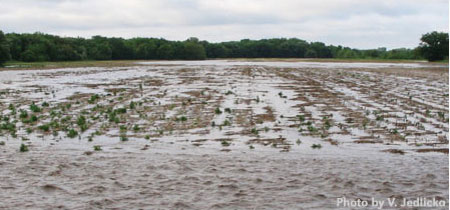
<point x="44" y="47"/>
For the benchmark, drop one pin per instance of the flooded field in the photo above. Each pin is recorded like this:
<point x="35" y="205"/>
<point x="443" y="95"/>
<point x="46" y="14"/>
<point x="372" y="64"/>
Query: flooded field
<point x="223" y="135"/>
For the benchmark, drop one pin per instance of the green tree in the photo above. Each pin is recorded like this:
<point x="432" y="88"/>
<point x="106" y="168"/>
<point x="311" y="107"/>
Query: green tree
<point x="434" y="46"/>
<point x="15" y="45"/>
<point x="321" y="50"/>
<point x="99" y="48"/>
<point x="165" y="51"/>
<point x="35" y="52"/>
<point x="215" y="50"/>
<point x="146" y="50"/>
<point x="4" y="49"/>
<point x="119" y="49"/>
<point x="310" y="53"/>
<point x="193" y="50"/>
<point x="45" y="47"/>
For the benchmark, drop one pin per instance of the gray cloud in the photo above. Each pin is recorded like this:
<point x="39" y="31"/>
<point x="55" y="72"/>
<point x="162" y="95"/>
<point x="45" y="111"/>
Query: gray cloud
<point x="354" y="23"/>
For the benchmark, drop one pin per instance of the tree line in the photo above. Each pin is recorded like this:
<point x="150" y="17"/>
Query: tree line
<point x="45" y="47"/>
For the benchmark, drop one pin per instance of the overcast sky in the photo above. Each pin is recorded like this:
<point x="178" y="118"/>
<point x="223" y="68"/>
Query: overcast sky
<point x="354" y="23"/>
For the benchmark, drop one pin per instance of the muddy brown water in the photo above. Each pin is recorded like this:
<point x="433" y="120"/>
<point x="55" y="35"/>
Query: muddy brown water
<point x="151" y="180"/>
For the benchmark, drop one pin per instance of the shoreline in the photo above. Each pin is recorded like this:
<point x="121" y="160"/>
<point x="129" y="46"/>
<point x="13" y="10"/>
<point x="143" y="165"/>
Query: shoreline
<point x="16" y="65"/>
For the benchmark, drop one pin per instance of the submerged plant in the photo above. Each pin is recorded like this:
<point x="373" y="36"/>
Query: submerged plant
<point x="29" y="130"/>
<point x="11" y="107"/>
<point x="123" y="137"/>
<point x="441" y="115"/>
<point x="33" y="118"/>
<point x="254" y="131"/>
<point x="394" y="131"/>
<point x="35" y="108"/>
<point x="428" y="113"/>
<point x="72" y="133"/>
<point x="301" y="118"/>
<point x="132" y="105"/>
<point x="23" y="114"/>
<point x="113" y="117"/>
<point x="349" y="120"/>
<point x="44" y="127"/>
<point x="97" y="148"/>
<point x="81" y="121"/>
<point x="225" y="143"/>
<point x="226" y="123"/>
<point x="327" y="124"/>
<point x="364" y="123"/>
<point x="379" y="118"/>
<point x="23" y="148"/>
<point x="312" y="129"/>
<point x="93" y="98"/>
<point x="121" y="110"/>
<point x="98" y="133"/>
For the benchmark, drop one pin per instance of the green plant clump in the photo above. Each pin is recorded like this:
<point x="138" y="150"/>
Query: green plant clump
<point x="226" y="123"/>
<point x="45" y="104"/>
<point x="44" y="128"/>
<point x="97" y="148"/>
<point x="93" y="98"/>
<point x="72" y="133"/>
<point x="301" y="117"/>
<point x="23" y="114"/>
<point x="254" y="131"/>
<point x="132" y="105"/>
<point x="123" y="138"/>
<point x="23" y="148"/>
<point x="35" y="108"/>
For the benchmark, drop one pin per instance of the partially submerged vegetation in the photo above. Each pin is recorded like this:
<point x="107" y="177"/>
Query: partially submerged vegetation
<point x="275" y="115"/>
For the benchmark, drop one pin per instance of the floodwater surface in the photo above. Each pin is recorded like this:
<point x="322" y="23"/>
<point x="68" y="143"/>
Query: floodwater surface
<point x="223" y="135"/>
